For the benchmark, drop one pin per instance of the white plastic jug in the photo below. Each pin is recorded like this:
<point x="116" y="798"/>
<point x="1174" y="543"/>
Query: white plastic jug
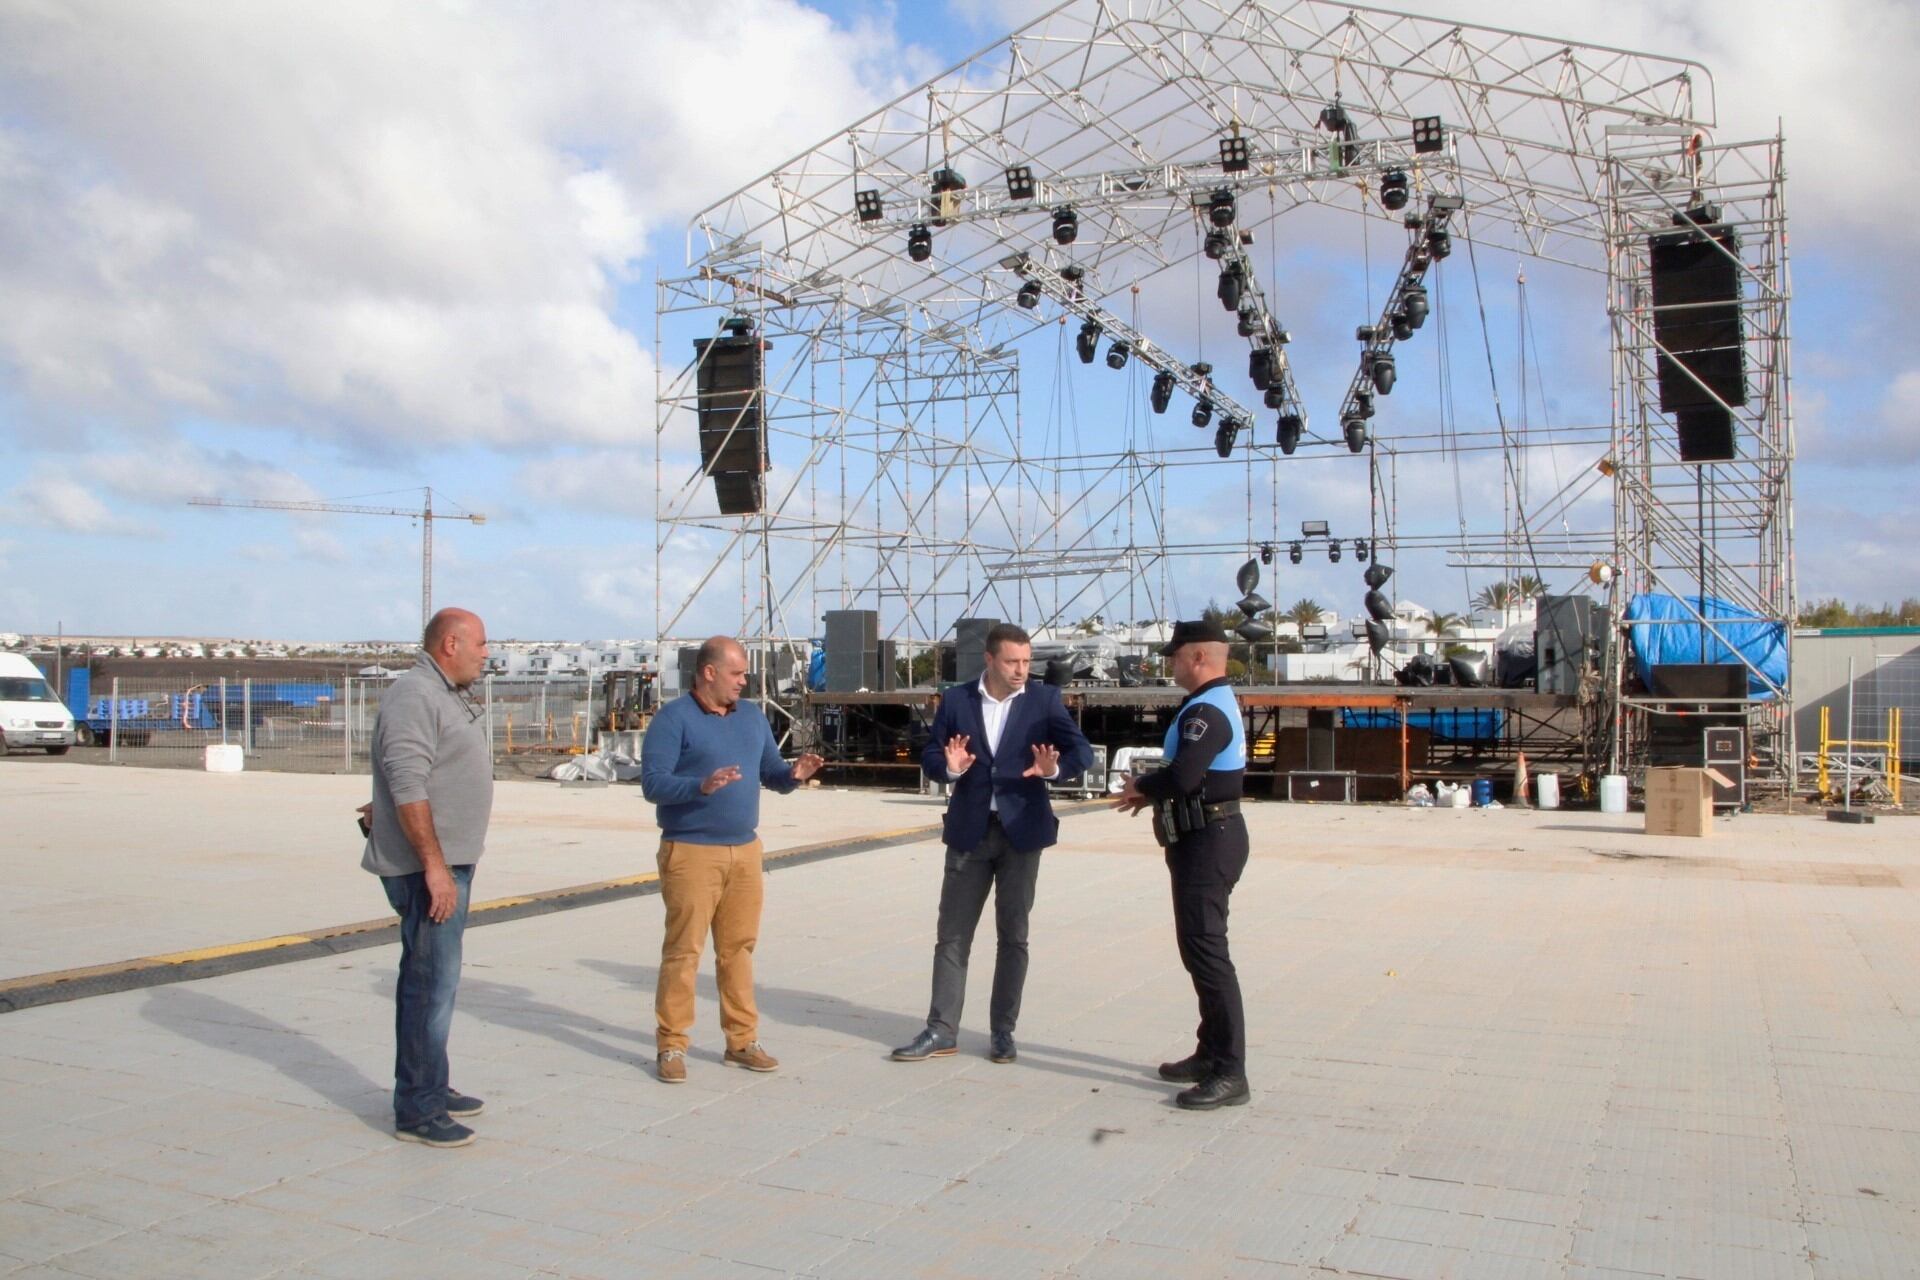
<point x="1613" y="793"/>
<point x="1547" y="789"/>
<point x="225" y="758"/>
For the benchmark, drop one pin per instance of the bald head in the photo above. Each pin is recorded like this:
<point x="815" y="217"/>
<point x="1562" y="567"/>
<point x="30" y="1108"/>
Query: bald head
<point x="456" y="640"/>
<point x="1197" y="662"/>
<point x="720" y="672"/>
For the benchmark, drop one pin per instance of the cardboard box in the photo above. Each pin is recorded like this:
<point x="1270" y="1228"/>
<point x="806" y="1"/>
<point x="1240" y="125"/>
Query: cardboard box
<point x="1680" y="801"/>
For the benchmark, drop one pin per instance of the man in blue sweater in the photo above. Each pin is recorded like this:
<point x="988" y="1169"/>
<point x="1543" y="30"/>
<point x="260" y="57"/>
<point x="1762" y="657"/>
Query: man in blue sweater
<point x="696" y="753"/>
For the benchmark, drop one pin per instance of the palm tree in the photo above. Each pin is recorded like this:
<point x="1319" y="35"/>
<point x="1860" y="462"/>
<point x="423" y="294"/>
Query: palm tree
<point x="1528" y="587"/>
<point x="1498" y="598"/>
<point x="1305" y="612"/>
<point x="1443" y="624"/>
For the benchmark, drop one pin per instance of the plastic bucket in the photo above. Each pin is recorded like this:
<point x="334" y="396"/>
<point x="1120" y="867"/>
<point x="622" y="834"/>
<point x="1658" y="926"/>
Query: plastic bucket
<point x="1547" y="788"/>
<point x="1482" y="792"/>
<point x="1613" y="793"/>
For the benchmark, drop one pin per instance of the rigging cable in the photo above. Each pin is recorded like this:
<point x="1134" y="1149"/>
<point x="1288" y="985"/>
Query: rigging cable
<point x="1486" y="338"/>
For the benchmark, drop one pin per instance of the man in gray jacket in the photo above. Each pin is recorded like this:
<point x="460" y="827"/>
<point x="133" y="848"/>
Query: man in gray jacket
<point x="432" y="797"/>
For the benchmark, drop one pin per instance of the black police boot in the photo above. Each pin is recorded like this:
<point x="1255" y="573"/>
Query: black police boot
<point x="1189" y="1070"/>
<point x="1215" y="1091"/>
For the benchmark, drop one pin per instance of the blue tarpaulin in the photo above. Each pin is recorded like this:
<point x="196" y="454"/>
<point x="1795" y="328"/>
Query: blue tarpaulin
<point x="1466" y="724"/>
<point x="1667" y="629"/>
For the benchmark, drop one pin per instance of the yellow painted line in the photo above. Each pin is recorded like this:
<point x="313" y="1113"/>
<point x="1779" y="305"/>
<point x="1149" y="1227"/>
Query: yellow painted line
<point x="230" y="949"/>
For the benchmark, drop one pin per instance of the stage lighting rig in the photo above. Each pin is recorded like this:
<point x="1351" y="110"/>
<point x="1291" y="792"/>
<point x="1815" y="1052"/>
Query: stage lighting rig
<point x="1405" y="311"/>
<point x="1087" y="342"/>
<point x="1066" y="225"/>
<point x="1068" y="286"/>
<point x="1162" y="393"/>
<point x="919" y="242"/>
<point x="1234" y="155"/>
<point x="1224" y="438"/>
<point x="1020" y="183"/>
<point x="1117" y="356"/>
<point x="1394" y="190"/>
<point x="1029" y="296"/>
<point x="1295" y="553"/>
<point x="1335" y="120"/>
<point x="1290" y="430"/>
<point x="1222" y="210"/>
<point x="1233" y="283"/>
<point x="1202" y="412"/>
<point x="1428" y="135"/>
<point x="947" y="185"/>
<point x="1333" y="552"/>
<point x="1240" y="292"/>
<point x="866" y="206"/>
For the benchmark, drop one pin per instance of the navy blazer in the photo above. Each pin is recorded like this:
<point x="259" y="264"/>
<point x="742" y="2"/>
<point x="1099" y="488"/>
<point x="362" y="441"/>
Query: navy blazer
<point x="1037" y="716"/>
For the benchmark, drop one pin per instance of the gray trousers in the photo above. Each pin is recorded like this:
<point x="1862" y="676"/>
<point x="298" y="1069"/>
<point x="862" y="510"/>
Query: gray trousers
<point x="1011" y="875"/>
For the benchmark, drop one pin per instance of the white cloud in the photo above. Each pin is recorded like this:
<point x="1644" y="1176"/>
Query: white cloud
<point x="52" y="499"/>
<point x="614" y="481"/>
<point x="395" y="227"/>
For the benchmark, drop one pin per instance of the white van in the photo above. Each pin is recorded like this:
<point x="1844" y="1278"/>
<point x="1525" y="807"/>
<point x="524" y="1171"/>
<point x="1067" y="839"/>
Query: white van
<point x="30" y="713"/>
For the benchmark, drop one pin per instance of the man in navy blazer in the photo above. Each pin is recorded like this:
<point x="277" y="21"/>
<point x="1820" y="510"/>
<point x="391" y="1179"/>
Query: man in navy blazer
<point x="996" y="741"/>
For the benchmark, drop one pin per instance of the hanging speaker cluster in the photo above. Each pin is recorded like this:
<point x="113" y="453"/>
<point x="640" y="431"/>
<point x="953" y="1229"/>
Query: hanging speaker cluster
<point x="1695" y="278"/>
<point x="1379" y="608"/>
<point x="1251" y="605"/>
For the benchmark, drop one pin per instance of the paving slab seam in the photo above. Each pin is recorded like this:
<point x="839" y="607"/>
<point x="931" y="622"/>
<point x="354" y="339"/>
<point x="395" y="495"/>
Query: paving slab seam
<point x="32" y="990"/>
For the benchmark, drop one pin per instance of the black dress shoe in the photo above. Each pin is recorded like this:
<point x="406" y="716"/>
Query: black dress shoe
<point x="1188" y="1070"/>
<point x="1001" y="1048"/>
<point x="1215" y="1091"/>
<point x="925" y="1045"/>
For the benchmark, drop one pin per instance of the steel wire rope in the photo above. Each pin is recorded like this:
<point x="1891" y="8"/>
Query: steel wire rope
<point x="1449" y="421"/>
<point x="1493" y="380"/>
<point x="1531" y="343"/>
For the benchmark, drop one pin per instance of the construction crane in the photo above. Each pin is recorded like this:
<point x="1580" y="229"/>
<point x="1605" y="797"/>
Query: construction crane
<point x="426" y="515"/>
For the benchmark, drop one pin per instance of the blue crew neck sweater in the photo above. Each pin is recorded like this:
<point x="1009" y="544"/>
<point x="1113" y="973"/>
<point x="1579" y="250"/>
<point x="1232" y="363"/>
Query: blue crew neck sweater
<point x="684" y="744"/>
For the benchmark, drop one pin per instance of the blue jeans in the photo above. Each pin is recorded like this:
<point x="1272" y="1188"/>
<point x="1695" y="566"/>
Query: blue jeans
<point x="423" y="998"/>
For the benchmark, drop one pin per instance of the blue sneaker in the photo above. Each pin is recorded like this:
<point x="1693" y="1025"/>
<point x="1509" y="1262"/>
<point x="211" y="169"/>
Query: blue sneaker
<point x="440" y="1131"/>
<point x="463" y="1107"/>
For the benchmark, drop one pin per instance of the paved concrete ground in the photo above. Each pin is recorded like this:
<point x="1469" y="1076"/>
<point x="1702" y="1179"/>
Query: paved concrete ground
<point x="103" y="864"/>
<point x="1495" y="1044"/>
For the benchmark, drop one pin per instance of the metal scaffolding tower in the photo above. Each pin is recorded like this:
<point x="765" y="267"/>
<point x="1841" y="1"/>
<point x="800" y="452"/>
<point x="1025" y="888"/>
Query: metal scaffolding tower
<point x="906" y="476"/>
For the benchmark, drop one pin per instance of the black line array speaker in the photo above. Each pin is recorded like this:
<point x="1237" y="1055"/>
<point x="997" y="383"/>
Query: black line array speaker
<point x="730" y="381"/>
<point x="853" y="650"/>
<point x="970" y="647"/>
<point x="1695" y="274"/>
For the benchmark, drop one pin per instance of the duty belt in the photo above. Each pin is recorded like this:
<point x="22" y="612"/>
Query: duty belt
<point x="1181" y="816"/>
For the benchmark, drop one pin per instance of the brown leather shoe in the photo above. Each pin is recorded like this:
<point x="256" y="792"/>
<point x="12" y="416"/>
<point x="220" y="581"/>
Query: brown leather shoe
<point x="752" y="1057"/>
<point x="672" y="1066"/>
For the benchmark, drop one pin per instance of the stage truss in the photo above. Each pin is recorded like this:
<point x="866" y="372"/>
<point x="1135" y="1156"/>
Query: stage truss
<point x="910" y="477"/>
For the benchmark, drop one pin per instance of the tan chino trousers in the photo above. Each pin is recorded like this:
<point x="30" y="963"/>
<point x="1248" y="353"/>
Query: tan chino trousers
<point x="706" y="887"/>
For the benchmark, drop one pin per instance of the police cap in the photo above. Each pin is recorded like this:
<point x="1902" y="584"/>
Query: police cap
<point x="1201" y="632"/>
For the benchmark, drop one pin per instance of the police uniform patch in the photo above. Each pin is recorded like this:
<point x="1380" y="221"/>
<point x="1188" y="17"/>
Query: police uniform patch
<point x="1193" y="728"/>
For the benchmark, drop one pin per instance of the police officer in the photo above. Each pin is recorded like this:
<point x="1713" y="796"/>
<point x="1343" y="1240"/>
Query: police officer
<point x="1196" y="804"/>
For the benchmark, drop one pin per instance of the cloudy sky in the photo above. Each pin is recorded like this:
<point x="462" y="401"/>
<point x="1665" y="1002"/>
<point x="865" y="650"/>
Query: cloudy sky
<point x="344" y="251"/>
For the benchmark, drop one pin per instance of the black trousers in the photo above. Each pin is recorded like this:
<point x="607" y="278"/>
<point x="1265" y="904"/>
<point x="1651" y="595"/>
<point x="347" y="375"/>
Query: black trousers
<point x="1205" y="866"/>
<point x="1011" y="875"/>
